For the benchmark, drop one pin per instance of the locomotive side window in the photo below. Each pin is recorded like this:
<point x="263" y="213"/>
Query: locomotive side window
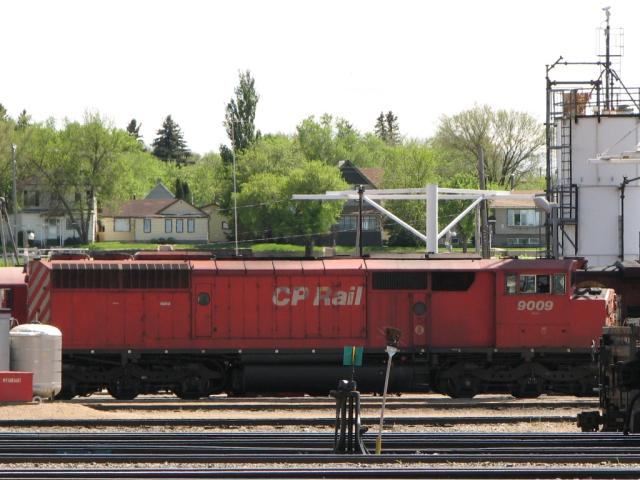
<point x="451" y="281"/>
<point x="510" y="283"/>
<point x="527" y="284"/>
<point x="535" y="283"/>
<point x="542" y="284"/>
<point x="399" y="280"/>
<point x="559" y="285"/>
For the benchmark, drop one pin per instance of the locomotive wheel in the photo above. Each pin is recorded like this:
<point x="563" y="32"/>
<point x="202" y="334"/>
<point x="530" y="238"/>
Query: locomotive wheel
<point x="67" y="392"/>
<point x="124" y="388"/>
<point x="462" y="386"/>
<point x="191" y="388"/>
<point x="527" y="388"/>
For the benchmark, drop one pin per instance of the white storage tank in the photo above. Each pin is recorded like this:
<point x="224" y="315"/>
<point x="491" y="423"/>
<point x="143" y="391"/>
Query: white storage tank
<point x="37" y="348"/>
<point x="5" y="325"/>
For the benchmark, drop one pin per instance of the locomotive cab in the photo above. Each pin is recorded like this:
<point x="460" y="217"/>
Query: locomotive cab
<point x="541" y="308"/>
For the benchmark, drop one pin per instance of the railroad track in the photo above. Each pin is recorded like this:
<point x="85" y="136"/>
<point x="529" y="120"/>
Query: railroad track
<point x="279" y="421"/>
<point x="257" y="405"/>
<point x="391" y="473"/>
<point x="264" y="448"/>
<point x="404" y="455"/>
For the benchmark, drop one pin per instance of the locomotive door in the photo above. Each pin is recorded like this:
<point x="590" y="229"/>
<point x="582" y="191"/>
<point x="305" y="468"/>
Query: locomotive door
<point x="202" y="310"/>
<point x="419" y="310"/>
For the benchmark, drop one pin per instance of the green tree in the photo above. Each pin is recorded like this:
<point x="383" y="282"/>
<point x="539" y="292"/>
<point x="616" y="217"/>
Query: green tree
<point x="182" y="191"/>
<point x="24" y="120"/>
<point x="209" y="180"/>
<point x="265" y="208"/>
<point x="169" y="145"/>
<point x="133" y="128"/>
<point x="393" y="129"/>
<point x="387" y="129"/>
<point x="450" y="209"/>
<point x="79" y="163"/>
<point x="411" y="166"/>
<point x="381" y="127"/>
<point x="3" y="113"/>
<point x="240" y="113"/>
<point x="511" y="141"/>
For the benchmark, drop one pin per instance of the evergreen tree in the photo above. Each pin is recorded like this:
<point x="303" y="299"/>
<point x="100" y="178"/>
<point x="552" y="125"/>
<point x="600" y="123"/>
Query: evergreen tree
<point x="381" y="127"/>
<point x="3" y="112"/>
<point x="24" y="120"/>
<point x="169" y="145"/>
<point x="134" y="129"/>
<point x="393" y="130"/>
<point x="182" y="190"/>
<point x="226" y="154"/>
<point x="241" y="112"/>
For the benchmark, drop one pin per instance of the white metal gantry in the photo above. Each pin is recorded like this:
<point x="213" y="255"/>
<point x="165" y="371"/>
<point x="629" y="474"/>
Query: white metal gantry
<point x="431" y="194"/>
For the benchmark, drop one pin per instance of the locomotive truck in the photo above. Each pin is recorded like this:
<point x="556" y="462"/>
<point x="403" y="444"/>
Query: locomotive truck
<point x="197" y="326"/>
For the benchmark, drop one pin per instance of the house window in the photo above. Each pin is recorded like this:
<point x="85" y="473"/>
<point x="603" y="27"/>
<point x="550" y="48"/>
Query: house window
<point x="347" y="223"/>
<point x="225" y="226"/>
<point x="191" y="225"/>
<point x="147" y="225"/>
<point x="121" y="225"/>
<point x="350" y="223"/>
<point x="168" y="225"/>
<point x="70" y="224"/>
<point x="31" y="199"/>
<point x="369" y="223"/>
<point x="179" y="225"/>
<point x="523" y="218"/>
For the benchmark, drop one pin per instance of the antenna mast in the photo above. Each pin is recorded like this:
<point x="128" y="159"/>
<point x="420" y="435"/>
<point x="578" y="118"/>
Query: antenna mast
<point x="608" y="82"/>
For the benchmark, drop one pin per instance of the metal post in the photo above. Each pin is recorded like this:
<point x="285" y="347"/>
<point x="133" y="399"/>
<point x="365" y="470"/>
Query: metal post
<point x="235" y="202"/>
<point x="360" y="191"/>
<point x="432" y="218"/>
<point x="484" y="219"/>
<point x="391" y="351"/>
<point x="15" y="188"/>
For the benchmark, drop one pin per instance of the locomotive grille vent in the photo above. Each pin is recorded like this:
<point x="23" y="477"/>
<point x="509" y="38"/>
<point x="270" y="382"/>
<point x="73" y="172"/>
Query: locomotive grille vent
<point x="399" y="280"/>
<point x="451" y="281"/>
<point x="120" y="276"/>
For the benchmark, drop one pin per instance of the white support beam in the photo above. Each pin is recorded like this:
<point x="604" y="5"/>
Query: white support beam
<point x="432" y="218"/>
<point x="459" y="217"/>
<point x="387" y="213"/>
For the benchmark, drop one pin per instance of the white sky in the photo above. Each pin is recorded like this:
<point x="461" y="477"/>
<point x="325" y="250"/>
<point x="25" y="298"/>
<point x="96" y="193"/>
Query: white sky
<point x="147" y="59"/>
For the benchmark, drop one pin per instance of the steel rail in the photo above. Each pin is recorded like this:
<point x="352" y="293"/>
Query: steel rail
<point x="230" y="422"/>
<point x="333" y="473"/>
<point x="317" y="405"/>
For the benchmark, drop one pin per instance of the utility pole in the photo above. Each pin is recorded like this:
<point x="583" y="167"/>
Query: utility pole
<point x="15" y="188"/>
<point x="484" y="218"/>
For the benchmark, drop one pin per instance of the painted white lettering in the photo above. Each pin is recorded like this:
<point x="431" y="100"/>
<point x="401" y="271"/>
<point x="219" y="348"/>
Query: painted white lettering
<point x="281" y="296"/>
<point x="324" y="294"/>
<point x="340" y="298"/>
<point x="358" y="296"/>
<point x="299" y="293"/>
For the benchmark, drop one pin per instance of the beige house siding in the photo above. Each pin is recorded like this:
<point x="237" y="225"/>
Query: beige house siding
<point x="110" y="235"/>
<point x="200" y="233"/>
<point x="218" y="224"/>
<point x="181" y="207"/>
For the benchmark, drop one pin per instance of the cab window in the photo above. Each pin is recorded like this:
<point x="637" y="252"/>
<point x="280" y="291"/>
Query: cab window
<point x="510" y="284"/>
<point x="527" y="284"/>
<point x="559" y="284"/>
<point x="542" y="284"/>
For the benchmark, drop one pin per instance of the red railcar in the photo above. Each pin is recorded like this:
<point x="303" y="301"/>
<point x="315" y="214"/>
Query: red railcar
<point x="197" y="327"/>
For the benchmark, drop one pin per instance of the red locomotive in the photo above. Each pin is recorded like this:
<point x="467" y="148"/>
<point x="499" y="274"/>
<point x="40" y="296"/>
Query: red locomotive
<point x="201" y="326"/>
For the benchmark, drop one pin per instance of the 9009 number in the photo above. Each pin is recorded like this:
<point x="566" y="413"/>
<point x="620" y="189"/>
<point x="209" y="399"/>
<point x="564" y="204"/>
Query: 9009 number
<point x="535" y="306"/>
